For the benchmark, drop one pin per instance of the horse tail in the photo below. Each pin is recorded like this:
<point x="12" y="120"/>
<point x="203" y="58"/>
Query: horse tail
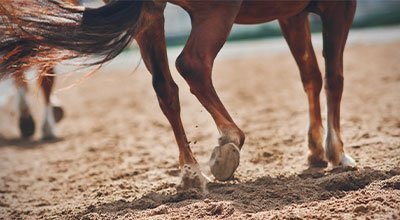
<point x="15" y="58"/>
<point x="49" y="26"/>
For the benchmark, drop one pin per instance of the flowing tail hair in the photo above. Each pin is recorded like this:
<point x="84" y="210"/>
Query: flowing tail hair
<point x="55" y="31"/>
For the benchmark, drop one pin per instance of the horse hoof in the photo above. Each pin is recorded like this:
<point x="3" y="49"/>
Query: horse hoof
<point x="224" y="161"/>
<point x="347" y="161"/>
<point x="192" y="177"/>
<point x="26" y="126"/>
<point x="317" y="162"/>
<point x="58" y="113"/>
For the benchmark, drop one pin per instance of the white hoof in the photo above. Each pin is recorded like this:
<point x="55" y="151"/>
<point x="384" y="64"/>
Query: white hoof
<point x="347" y="161"/>
<point x="192" y="177"/>
<point x="224" y="161"/>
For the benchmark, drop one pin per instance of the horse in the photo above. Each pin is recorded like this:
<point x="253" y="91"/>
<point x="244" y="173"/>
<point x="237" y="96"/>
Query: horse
<point x="54" y="112"/>
<point x="105" y="31"/>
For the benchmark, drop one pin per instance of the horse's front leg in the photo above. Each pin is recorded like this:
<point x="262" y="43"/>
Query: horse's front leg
<point x="153" y="49"/>
<point x="210" y="28"/>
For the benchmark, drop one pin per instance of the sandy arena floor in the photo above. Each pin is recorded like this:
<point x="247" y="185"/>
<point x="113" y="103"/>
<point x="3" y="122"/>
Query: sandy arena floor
<point x="117" y="158"/>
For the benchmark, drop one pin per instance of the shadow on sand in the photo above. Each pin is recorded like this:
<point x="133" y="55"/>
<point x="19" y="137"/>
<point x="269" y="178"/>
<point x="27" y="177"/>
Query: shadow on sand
<point x="263" y="194"/>
<point x="26" y="143"/>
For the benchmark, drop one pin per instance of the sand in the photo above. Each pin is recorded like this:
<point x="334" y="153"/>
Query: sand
<point x="117" y="158"/>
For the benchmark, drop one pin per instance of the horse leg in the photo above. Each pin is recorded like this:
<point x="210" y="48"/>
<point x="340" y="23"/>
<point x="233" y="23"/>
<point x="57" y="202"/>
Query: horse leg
<point x="210" y="29"/>
<point x="337" y="18"/>
<point x="53" y="113"/>
<point x="153" y="49"/>
<point x="296" y="31"/>
<point x="26" y="123"/>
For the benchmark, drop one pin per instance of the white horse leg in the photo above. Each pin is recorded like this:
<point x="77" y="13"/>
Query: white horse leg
<point x="26" y="123"/>
<point x="46" y="81"/>
<point x="49" y="130"/>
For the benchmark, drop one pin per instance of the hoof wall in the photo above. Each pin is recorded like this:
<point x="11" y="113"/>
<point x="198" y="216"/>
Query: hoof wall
<point x="224" y="161"/>
<point x="26" y="126"/>
<point x="58" y="113"/>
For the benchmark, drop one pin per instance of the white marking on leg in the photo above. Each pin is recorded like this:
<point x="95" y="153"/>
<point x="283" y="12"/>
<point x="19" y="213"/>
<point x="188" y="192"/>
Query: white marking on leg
<point x="49" y="125"/>
<point x="228" y="136"/>
<point x="347" y="161"/>
<point x="55" y="101"/>
<point x="332" y="143"/>
<point x="22" y="102"/>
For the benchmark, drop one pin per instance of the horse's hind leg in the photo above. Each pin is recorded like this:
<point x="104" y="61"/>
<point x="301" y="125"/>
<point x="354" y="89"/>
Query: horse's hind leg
<point x="26" y="122"/>
<point x="53" y="113"/>
<point x="210" y="28"/>
<point x="296" y="31"/>
<point x="337" y="17"/>
<point x="153" y="49"/>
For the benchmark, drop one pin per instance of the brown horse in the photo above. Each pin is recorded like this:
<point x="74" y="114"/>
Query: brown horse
<point x="107" y="30"/>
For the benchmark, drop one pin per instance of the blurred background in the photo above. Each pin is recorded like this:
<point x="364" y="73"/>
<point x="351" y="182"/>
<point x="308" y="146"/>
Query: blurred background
<point x="370" y="13"/>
